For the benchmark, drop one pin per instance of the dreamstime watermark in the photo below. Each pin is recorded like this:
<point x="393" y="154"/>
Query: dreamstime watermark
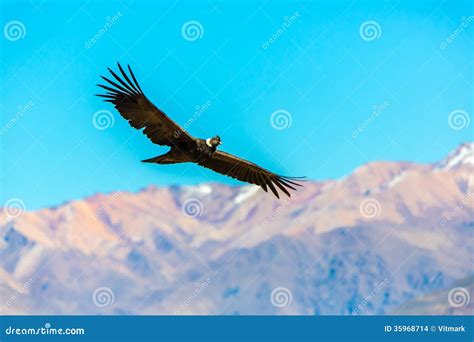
<point x="199" y="110"/>
<point x="377" y="110"/>
<point x="193" y="296"/>
<point x="378" y="287"/>
<point x="18" y="293"/>
<point x="46" y="330"/>
<point x="103" y="119"/>
<point x="21" y="111"/>
<point x="459" y="297"/>
<point x="287" y="22"/>
<point x="109" y="22"/>
<point x="370" y="30"/>
<point x="14" y="208"/>
<point x="281" y="297"/>
<point x="275" y="213"/>
<point x="458" y="119"/>
<point x="14" y="30"/>
<point x="281" y="119"/>
<point x="464" y="203"/>
<point x="370" y="208"/>
<point x="103" y="297"/>
<point x="192" y="30"/>
<point x="106" y="204"/>
<point x="192" y="208"/>
<point x="465" y="22"/>
<point x="434" y="283"/>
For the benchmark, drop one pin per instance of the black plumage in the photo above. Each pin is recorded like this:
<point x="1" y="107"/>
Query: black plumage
<point x="128" y="98"/>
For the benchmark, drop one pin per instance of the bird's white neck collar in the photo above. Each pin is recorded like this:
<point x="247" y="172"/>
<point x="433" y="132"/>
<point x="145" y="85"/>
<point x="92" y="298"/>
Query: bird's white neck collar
<point x="208" y="142"/>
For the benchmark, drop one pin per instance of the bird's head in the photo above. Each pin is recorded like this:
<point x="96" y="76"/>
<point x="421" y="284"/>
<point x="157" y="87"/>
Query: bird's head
<point x="214" y="142"/>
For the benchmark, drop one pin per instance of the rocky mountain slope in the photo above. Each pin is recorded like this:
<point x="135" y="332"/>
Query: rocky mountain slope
<point x="365" y="244"/>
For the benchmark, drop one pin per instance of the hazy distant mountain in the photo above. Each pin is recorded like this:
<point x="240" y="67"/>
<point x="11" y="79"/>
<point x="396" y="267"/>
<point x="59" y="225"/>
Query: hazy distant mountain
<point x="455" y="300"/>
<point x="365" y="244"/>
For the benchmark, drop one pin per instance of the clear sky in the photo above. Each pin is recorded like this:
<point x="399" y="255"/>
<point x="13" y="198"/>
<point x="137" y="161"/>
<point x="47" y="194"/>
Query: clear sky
<point x="360" y="81"/>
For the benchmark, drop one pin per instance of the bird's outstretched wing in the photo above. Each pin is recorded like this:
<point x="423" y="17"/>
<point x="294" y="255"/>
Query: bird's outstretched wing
<point x="134" y="106"/>
<point x="241" y="169"/>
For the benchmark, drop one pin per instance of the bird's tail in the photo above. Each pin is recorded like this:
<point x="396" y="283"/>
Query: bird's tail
<point x="163" y="159"/>
<point x="168" y="158"/>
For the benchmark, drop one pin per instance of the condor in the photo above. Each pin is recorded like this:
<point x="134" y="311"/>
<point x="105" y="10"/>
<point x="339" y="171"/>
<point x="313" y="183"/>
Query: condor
<point x="128" y="98"/>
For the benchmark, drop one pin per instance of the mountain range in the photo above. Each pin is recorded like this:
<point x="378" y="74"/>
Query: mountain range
<point x="388" y="238"/>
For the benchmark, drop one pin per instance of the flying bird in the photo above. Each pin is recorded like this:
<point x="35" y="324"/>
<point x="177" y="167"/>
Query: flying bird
<point x="128" y="98"/>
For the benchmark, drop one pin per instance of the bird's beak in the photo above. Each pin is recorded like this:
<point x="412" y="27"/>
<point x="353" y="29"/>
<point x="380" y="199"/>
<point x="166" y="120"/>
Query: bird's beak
<point x="220" y="142"/>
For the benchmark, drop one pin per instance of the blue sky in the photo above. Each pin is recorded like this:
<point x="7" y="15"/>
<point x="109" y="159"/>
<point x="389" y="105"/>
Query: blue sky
<point x="310" y="59"/>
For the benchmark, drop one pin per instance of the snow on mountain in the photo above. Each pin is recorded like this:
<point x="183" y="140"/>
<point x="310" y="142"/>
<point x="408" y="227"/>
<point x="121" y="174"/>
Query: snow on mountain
<point x="246" y="192"/>
<point x="462" y="156"/>
<point x="402" y="228"/>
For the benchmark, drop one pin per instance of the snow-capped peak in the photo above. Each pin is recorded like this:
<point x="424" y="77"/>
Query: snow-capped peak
<point x="245" y="193"/>
<point x="203" y="189"/>
<point x="463" y="155"/>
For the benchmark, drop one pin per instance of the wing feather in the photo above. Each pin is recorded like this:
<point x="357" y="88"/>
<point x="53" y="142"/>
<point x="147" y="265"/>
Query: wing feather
<point x="282" y="188"/>
<point x="134" y="79"/>
<point x="124" y="74"/>
<point x="134" y="106"/>
<point x="246" y="171"/>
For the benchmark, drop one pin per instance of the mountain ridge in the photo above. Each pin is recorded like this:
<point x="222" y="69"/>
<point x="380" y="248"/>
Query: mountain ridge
<point x="165" y="241"/>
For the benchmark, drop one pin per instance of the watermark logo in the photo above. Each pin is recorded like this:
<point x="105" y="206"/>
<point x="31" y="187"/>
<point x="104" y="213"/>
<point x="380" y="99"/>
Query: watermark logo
<point x="377" y="110"/>
<point x="192" y="30"/>
<point x="457" y="209"/>
<point x="103" y="119"/>
<point x="106" y="204"/>
<point x="22" y="110"/>
<point x="370" y="30"/>
<point x="458" y="119"/>
<point x="276" y="212"/>
<point x="465" y="22"/>
<point x="18" y="293"/>
<point x="199" y="110"/>
<point x="14" y="30"/>
<point x="370" y="208"/>
<point x="377" y="288"/>
<point x="287" y="22"/>
<point x="281" y="297"/>
<point x="103" y="297"/>
<point x="194" y="296"/>
<point x="459" y="297"/>
<point x="192" y="208"/>
<point x="109" y="22"/>
<point x="281" y="119"/>
<point x="14" y="208"/>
